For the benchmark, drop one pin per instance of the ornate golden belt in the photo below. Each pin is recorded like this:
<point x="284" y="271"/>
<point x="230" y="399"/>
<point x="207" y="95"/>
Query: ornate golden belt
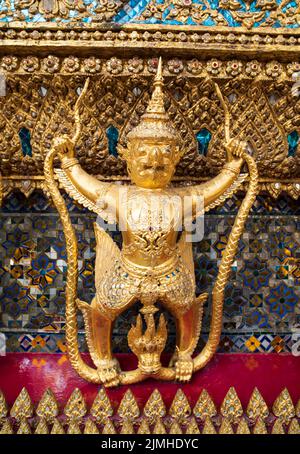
<point x="136" y="271"/>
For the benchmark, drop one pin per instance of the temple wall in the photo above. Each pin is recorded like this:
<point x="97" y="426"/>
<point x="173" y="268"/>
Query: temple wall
<point x="48" y="49"/>
<point x="261" y="313"/>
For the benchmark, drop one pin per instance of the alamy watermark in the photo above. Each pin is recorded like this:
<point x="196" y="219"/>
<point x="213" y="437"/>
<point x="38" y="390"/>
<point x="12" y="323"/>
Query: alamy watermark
<point x="155" y="212"/>
<point x="295" y="350"/>
<point x="2" y="84"/>
<point x="2" y="344"/>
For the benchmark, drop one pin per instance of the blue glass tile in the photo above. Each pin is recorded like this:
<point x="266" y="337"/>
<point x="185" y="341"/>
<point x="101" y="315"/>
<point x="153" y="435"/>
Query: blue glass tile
<point x="132" y="10"/>
<point x="209" y="22"/>
<point x="292" y="4"/>
<point x="203" y="138"/>
<point x="24" y="135"/>
<point x="293" y="140"/>
<point x="227" y="15"/>
<point x="112" y="135"/>
<point x="252" y="6"/>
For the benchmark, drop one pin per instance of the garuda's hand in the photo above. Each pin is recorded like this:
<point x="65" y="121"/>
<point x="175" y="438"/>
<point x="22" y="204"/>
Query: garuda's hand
<point x="235" y="149"/>
<point x="64" y="147"/>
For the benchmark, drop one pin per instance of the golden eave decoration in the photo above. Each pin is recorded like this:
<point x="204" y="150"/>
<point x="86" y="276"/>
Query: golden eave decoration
<point x="42" y="89"/>
<point x="53" y="46"/>
<point x="251" y="64"/>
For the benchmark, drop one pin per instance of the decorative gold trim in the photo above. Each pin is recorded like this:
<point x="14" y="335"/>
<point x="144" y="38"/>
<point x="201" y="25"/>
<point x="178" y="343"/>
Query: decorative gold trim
<point x="283" y="406"/>
<point x="101" y="409"/>
<point x="73" y="62"/>
<point x="196" y="40"/>
<point x="257" y="407"/>
<point x="75" y="408"/>
<point x="242" y="428"/>
<point x="90" y="428"/>
<point x="28" y="184"/>
<point x="76" y="418"/>
<point x="155" y="407"/>
<point x="208" y="428"/>
<point x="180" y="408"/>
<point x="226" y="428"/>
<point x="42" y="428"/>
<point x="260" y="427"/>
<point x="48" y="408"/>
<point x="231" y="408"/>
<point x="3" y="407"/>
<point x="129" y="408"/>
<point x="23" y="407"/>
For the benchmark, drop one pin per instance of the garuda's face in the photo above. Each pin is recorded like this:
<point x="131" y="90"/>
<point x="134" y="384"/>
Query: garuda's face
<point x="151" y="164"/>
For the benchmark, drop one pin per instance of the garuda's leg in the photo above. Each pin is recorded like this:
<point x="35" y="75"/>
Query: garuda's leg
<point x="188" y="326"/>
<point x="99" y="327"/>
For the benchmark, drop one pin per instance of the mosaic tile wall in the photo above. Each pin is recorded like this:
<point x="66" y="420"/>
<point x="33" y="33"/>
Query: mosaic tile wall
<point x="261" y="313"/>
<point x="255" y="13"/>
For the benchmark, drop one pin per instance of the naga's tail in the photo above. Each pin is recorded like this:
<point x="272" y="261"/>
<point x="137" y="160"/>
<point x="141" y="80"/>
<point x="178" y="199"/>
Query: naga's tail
<point x="85" y="371"/>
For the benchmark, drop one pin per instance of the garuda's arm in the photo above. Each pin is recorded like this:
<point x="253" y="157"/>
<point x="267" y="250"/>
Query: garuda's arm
<point x="84" y="188"/>
<point x="219" y="188"/>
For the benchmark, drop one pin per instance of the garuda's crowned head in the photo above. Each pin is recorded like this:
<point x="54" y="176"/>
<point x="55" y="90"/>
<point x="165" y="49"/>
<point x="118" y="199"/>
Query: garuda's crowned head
<point x="152" y="151"/>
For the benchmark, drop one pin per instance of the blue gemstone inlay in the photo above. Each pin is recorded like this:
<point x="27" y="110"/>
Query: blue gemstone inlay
<point x="293" y="140"/>
<point x="24" y="135"/>
<point x="203" y="138"/>
<point x="292" y="4"/>
<point x="112" y="135"/>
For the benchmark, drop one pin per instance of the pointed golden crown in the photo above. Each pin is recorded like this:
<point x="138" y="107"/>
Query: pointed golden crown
<point x="155" y="123"/>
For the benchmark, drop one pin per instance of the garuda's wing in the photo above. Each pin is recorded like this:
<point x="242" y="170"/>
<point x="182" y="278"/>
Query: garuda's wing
<point x="107" y="252"/>
<point x="228" y="193"/>
<point x="73" y="192"/>
<point x="186" y="253"/>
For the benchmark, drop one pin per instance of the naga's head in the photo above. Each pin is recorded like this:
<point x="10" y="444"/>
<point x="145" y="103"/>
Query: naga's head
<point x="152" y="151"/>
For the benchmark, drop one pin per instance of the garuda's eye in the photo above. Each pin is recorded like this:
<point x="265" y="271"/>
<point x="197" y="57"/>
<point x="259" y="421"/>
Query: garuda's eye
<point x="142" y="154"/>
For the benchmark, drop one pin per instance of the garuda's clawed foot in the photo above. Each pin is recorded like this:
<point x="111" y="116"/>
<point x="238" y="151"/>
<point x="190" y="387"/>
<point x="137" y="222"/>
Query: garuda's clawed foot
<point x="109" y="372"/>
<point x="184" y="367"/>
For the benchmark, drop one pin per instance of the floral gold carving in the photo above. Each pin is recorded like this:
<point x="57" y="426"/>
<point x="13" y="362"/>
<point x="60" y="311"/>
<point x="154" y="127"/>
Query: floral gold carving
<point x="75" y="408"/>
<point x="22" y="407"/>
<point x="205" y="406"/>
<point x="283" y="406"/>
<point x="48" y="407"/>
<point x="257" y="406"/>
<point x="101" y="408"/>
<point x="231" y="407"/>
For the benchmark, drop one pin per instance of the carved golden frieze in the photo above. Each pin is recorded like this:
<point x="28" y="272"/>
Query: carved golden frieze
<point x="263" y="112"/>
<point x="26" y="185"/>
<point x="143" y="39"/>
<point x="229" y="68"/>
<point x="254" y="67"/>
<point x="233" y="13"/>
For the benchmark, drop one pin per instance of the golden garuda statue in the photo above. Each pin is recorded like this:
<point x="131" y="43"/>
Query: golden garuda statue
<point x="155" y="264"/>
